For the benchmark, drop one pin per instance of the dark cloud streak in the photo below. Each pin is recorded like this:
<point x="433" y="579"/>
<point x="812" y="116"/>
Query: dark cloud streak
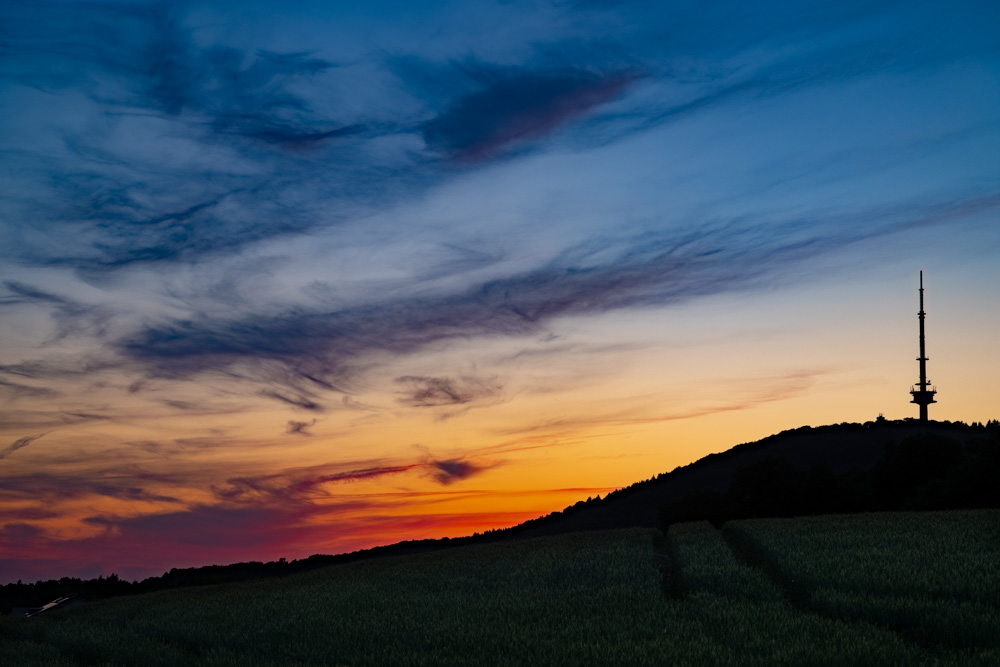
<point x="19" y="444"/>
<point x="297" y="488"/>
<point x="71" y="317"/>
<point x="300" y="428"/>
<point x="428" y="391"/>
<point x="122" y="483"/>
<point x="113" y="206"/>
<point x="15" y="391"/>
<point x="511" y="105"/>
<point x="306" y="487"/>
<point x="296" y="401"/>
<point x="448" y="471"/>
<point x="651" y="270"/>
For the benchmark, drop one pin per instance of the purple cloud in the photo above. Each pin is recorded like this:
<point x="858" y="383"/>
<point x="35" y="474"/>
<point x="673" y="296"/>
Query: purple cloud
<point x="512" y="105"/>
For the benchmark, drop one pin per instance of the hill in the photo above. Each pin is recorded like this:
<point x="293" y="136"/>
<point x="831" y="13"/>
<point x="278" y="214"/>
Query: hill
<point x="836" y="468"/>
<point x="847" y="452"/>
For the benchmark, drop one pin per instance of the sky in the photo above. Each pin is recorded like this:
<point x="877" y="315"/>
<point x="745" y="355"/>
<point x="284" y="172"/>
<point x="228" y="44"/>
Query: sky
<point x="279" y="279"/>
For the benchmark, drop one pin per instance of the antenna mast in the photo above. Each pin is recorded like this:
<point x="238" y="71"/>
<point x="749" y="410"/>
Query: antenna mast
<point x="922" y="396"/>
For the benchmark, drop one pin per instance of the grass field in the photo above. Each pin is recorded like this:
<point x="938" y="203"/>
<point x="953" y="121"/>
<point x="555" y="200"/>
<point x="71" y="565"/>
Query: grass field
<point x="758" y="593"/>
<point x="932" y="577"/>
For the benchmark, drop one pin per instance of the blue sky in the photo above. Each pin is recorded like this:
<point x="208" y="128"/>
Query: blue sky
<point x="344" y="219"/>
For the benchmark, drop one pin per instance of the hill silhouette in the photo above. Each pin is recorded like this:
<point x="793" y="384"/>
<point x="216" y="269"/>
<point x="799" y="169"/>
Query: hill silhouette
<point x="876" y="466"/>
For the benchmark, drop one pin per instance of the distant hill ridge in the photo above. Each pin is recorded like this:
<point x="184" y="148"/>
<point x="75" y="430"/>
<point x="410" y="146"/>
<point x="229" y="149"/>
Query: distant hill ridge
<point x="843" y="447"/>
<point x="863" y="467"/>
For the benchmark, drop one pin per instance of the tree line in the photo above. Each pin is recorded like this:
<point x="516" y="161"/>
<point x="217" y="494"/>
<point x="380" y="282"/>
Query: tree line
<point x="922" y="472"/>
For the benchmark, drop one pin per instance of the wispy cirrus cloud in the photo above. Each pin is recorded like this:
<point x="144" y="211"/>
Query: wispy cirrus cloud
<point x="141" y="68"/>
<point x="308" y="486"/>
<point x="510" y="106"/>
<point x="126" y="483"/>
<point x="71" y="317"/>
<point x="431" y="392"/>
<point x="298" y="487"/>
<point x="15" y="390"/>
<point x="298" y="400"/>
<point x="206" y="148"/>
<point x="147" y="57"/>
<point x="753" y="393"/>
<point x="315" y="351"/>
<point x="20" y="443"/>
<point x="300" y="428"/>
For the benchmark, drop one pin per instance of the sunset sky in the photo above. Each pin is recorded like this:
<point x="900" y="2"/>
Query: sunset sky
<point x="289" y="278"/>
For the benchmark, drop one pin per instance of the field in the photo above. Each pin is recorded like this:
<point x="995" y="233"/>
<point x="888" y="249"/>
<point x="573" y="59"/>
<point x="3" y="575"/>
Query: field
<point x="823" y="590"/>
<point x="931" y="577"/>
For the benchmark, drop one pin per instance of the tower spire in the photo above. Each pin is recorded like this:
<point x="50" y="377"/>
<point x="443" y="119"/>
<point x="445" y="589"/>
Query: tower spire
<point x="922" y="396"/>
